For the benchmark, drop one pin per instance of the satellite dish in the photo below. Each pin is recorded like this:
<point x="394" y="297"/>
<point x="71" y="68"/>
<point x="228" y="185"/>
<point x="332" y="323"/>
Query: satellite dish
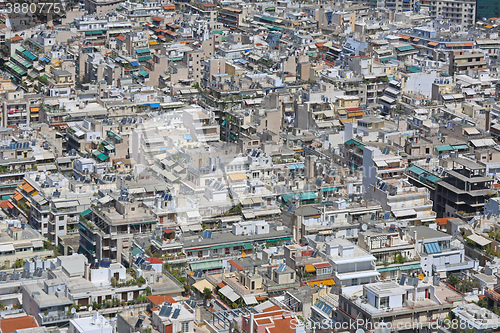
<point x="364" y="227"/>
<point x="243" y="254"/>
<point x="73" y="310"/>
<point x="90" y="308"/>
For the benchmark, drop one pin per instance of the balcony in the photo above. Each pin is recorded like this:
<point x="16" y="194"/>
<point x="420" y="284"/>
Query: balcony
<point x="52" y="319"/>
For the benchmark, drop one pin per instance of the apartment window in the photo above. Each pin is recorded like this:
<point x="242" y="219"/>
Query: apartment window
<point x="384" y="302"/>
<point x="185" y="326"/>
<point x="61" y="218"/>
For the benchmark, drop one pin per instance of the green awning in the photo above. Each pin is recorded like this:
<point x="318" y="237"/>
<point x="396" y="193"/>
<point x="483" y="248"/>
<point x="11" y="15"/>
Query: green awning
<point x="82" y="226"/>
<point x="461" y="147"/>
<point x="144" y="58"/>
<point x="143" y="73"/>
<point x="387" y="269"/>
<point x="217" y="32"/>
<point x="109" y="147"/>
<point x="93" y="32"/>
<point x="444" y="148"/>
<point x="247" y="246"/>
<point x="85" y="212"/>
<point x="142" y="51"/>
<point x="136" y="251"/>
<point x="416" y="170"/>
<point x="433" y="179"/>
<point x="386" y="58"/>
<point x="405" y="48"/>
<point x="413" y="70"/>
<point x="410" y="267"/>
<point x="302" y="196"/>
<point x="101" y="156"/>
<point x="206" y="266"/>
<point x="5" y="197"/>
<point x="30" y="55"/>
<point x="270" y="8"/>
<point x="267" y="18"/>
<point x="175" y="59"/>
<point x="329" y="189"/>
<point x="357" y="143"/>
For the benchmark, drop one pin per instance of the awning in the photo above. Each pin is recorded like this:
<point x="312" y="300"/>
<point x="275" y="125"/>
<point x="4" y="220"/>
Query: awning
<point x="410" y="267"/>
<point x="247" y="246"/>
<point x="479" y="240"/>
<point x="444" y="148"/>
<point x="416" y="169"/>
<point x="380" y="164"/>
<point x="387" y="269"/>
<point x="327" y="282"/>
<point x="202" y="284"/>
<point x="142" y="51"/>
<point x="229" y="293"/>
<point x="85" y="212"/>
<point x="238" y="176"/>
<point x="7" y="248"/>
<point x="66" y="204"/>
<point x="206" y="266"/>
<point x="37" y="243"/>
<point x="17" y="197"/>
<point x="322" y="265"/>
<point x="329" y="189"/>
<point x="249" y="299"/>
<point x="404" y="213"/>
<point x="310" y="268"/>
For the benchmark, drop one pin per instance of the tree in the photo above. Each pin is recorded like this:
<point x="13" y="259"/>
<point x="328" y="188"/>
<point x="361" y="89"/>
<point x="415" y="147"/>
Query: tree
<point x="207" y="293"/>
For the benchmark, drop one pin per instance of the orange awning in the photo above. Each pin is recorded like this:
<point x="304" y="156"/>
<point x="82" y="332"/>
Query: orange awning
<point x="35" y="109"/>
<point x="18" y="196"/>
<point x="27" y="187"/>
<point x="468" y="44"/>
<point x="11" y="206"/>
<point x="405" y="37"/>
<point x="310" y="268"/>
<point x="433" y="44"/>
<point x="327" y="282"/>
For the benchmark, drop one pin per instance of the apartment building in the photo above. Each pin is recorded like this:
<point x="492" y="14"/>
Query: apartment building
<point x="107" y="228"/>
<point x="462" y="12"/>
<point x="49" y="204"/>
<point x="461" y="62"/>
<point x="402" y="304"/>
<point x="464" y="189"/>
<point x="438" y="253"/>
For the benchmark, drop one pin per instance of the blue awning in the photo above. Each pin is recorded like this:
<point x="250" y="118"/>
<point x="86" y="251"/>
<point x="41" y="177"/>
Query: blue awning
<point x="44" y="59"/>
<point x="134" y="63"/>
<point x="187" y="136"/>
<point x="155" y="105"/>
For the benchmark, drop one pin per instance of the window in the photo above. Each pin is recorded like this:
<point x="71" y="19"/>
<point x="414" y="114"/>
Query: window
<point x="185" y="326"/>
<point x="384" y="302"/>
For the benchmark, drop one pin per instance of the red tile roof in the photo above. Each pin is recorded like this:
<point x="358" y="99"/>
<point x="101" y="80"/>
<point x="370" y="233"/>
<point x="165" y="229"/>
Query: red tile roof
<point x="442" y="221"/>
<point x="11" y="325"/>
<point x="159" y="300"/>
<point x="155" y="260"/>
<point x="16" y="38"/>
<point x="121" y="38"/>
